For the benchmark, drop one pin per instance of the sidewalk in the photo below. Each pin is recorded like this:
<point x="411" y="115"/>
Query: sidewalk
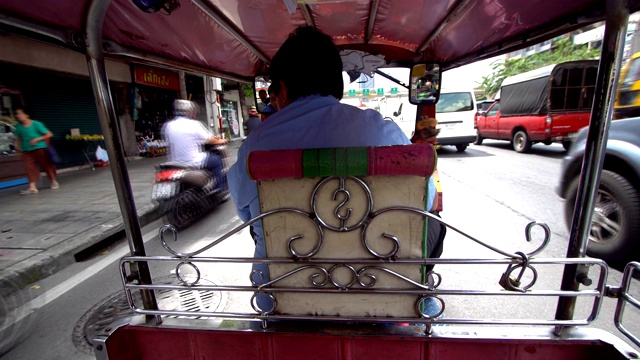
<point x="41" y="233"/>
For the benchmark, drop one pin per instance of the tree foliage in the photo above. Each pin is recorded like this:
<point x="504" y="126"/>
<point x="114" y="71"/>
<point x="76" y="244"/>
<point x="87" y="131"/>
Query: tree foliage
<point x="562" y="51"/>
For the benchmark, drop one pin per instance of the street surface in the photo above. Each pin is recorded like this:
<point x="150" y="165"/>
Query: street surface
<point x="490" y="192"/>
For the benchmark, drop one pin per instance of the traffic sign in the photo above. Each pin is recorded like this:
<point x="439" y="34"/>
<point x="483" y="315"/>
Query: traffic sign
<point x="394" y="90"/>
<point x="380" y="91"/>
<point x="365" y="92"/>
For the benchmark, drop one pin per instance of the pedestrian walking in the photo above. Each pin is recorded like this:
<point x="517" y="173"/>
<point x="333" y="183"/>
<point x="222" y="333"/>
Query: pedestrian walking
<point x="31" y="141"/>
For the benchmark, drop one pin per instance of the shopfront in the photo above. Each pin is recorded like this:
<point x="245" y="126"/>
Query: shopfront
<point x="230" y="122"/>
<point x="154" y="93"/>
<point x="12" y="171"/>
<point x="53" y="83"/>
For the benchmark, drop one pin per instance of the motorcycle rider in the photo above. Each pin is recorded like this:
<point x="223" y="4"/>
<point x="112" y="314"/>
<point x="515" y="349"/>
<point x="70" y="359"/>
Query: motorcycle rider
<point x="186" y="138"/>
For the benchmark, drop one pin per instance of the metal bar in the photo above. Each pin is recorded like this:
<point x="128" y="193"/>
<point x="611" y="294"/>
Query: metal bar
<point x="373" y="12"/>
<point x="455" y="10"/>
<point x="601" y="114"/>
<point x="292" y="290"/>
<point x="369" y="261"/>
<point x="360" y="319"/>
<point x="111" y="131"/>
<point x="60" y="35"/>
<point x="627" y="277"/>
<point x="306" y="13"/>
<point x="230" y="28"/>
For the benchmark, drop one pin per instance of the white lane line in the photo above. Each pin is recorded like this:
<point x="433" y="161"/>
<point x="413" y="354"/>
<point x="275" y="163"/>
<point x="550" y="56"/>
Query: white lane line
<point x="60" y="289"/>
<point x="233" y="222"/>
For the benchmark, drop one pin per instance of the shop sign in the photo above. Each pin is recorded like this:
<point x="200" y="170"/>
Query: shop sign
<point x="157" y="77"/>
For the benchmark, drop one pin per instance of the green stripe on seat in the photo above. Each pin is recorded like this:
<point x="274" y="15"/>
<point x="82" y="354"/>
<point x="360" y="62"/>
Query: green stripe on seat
<point x="335" y="162"/>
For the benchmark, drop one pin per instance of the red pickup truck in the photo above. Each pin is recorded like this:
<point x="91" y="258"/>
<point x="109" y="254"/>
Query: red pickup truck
<point x="545" y="105"/>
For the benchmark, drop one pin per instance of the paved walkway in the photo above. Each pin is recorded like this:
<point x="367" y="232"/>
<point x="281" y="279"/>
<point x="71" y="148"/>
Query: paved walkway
<point x="41" y="233"/>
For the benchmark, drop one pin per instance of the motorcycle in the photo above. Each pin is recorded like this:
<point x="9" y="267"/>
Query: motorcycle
<point x="186" y="193"/>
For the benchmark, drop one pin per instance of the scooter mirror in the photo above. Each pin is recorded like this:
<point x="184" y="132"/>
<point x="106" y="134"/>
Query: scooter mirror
<point x="425" y="84"/>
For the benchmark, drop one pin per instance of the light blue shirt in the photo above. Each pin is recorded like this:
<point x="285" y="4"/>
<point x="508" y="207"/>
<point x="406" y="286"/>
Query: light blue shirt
<point x="308" y="123"/>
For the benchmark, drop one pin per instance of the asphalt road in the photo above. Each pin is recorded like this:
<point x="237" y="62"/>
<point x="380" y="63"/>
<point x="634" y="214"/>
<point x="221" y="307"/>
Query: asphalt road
<point x="489" y="191"/>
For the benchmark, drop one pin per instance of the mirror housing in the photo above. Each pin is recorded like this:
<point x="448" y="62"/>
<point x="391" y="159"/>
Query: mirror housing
<point x="425" y="84"/>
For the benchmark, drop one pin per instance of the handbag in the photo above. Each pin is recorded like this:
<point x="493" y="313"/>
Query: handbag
<point x="53" y="154"/>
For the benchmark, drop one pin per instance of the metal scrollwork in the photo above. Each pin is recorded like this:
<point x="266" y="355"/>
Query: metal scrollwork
<point x="297" y="255"/>
<point x="184" y="280"/>
<point x="421" y="307"/>
<point x="513" y="283"/>
<point x="433" y="280"/>
<point x="255" y="282"/>
<point x="347" y="197"/>
<point x="338" y="212"/>
<point x="256" y="308"/>
<point x="353" y="273"/>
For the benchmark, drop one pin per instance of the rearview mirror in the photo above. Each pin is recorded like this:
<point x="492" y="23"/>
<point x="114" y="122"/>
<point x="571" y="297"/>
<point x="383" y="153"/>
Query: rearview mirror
<point x="424" y="88"/>
<point x="261" y="84"/>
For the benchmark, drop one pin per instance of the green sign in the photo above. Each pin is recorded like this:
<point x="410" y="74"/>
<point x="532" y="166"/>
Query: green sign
<point x="394" y="91"/>
<point x="365" y="92"/>
<point x="380" y="91"/>
<point x="352" y="93"/>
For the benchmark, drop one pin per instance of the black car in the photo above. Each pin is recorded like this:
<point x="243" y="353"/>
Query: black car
<point x="616" y="219"/>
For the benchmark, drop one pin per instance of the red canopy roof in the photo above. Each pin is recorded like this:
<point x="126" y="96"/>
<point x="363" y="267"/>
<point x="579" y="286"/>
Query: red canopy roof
<point x="237" y="38"/>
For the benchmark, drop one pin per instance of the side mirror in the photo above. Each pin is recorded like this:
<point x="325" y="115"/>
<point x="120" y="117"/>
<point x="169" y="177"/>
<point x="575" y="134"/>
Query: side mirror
<point x="424" y="88"/>
<point x="261" y="85"/>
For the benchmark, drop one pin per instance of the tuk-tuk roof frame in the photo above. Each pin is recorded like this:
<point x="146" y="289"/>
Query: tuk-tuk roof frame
<point x="237" y="40"/>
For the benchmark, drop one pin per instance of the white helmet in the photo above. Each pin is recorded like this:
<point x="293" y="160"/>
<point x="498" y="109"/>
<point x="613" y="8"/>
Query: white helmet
<point x="185" y="108"/>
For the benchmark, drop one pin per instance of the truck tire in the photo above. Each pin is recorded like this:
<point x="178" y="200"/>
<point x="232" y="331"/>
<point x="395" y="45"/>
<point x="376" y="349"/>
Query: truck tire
<point x="566" y="144"/>
<point x="615" y="226"/>
<point x="521" y="142"/>
<point x="461" y="147"/>
<point x="479" y="138"/>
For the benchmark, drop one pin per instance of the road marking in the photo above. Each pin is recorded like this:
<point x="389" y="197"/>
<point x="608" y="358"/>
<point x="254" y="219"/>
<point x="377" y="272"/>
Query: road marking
<point x="60" y="289"/>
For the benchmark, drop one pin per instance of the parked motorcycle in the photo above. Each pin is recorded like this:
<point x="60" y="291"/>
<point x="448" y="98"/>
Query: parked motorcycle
<point x="186" y="193"/>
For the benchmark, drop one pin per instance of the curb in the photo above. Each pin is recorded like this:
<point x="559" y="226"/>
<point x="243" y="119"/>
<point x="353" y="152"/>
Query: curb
<point x="60" y="256"/>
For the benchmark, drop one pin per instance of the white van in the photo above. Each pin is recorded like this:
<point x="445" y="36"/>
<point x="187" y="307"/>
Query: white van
<point x="455" y="112"/>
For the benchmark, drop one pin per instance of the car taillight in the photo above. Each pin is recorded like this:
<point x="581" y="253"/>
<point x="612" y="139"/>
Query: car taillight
<point x="168" y="175"/>
<point x="547" y="124"/>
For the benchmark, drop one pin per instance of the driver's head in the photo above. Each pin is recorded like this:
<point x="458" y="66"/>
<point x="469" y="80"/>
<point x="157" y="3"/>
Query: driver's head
<point x="262" y="94"/>
<point x="185" y="108"/>
<point x="308" y="63"/>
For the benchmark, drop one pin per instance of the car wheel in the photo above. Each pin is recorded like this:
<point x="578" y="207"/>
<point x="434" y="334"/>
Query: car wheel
<point x="479" y="139"/>
<point x="461" y="147"/>
<point x="615" y="226"/>
<point x="566" y="144"/>
<point x="521" y="142"/>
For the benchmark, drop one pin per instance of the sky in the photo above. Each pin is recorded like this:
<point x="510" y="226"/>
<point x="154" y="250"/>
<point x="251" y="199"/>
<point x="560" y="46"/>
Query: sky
<point x="469" y="75"/>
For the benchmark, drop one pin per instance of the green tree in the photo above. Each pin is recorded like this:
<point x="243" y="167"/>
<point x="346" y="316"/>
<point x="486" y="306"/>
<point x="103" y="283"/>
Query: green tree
<point x="563" y="50"/>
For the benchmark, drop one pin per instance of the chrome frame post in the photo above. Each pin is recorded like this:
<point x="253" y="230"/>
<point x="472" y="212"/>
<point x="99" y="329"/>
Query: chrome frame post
<point x="111" y="131"/>
<point x="601" y="114"/>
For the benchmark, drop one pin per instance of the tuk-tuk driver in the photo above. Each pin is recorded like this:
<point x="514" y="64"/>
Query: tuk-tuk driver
<point x="307" y="70"/>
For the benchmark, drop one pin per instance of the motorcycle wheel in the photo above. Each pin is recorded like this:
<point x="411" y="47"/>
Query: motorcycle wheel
<point x="185" y="209"/>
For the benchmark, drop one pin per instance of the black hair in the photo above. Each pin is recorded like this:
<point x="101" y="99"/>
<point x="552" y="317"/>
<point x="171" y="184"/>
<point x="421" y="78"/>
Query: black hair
<point x="23" y="109"/>
<point x="262" y="91"/>
<point x="308" y="63"/>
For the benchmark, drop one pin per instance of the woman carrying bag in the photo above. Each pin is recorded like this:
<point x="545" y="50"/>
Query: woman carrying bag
<point x="31" y="139"/>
